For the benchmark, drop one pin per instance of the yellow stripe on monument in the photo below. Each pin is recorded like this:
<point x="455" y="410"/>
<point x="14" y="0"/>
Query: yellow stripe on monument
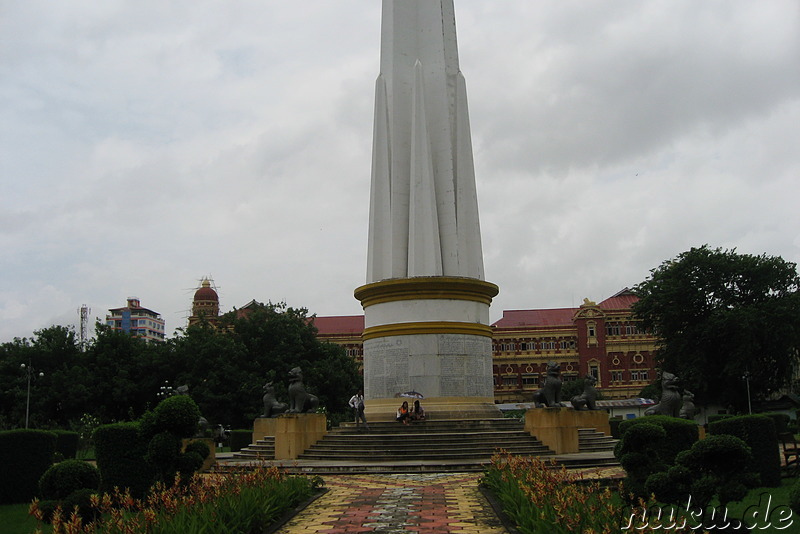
<point x="433" y="327"/>
<point x="426" y="288"/>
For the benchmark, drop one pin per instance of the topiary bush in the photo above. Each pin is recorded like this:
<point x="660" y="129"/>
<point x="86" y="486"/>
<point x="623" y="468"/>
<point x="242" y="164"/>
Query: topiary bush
<point x="24" y="457"/>
<point x="711" y="468"/>
<point x="758" y="432"/>
<point x="120" y="453"/>
<point x="649" y="445"/>
<point x="637" y="452"/>
<point x="188" y="464"/>
<point x="682" y="434"/>
<point x="148" y="426"/>
<point x="162" y="452"/>
<point x="178" y="414"/>
<point x="66" y="477"/>
<point x="200" y="447"/>
<point x="82" y="499"/>
<point x="67" y="443"/>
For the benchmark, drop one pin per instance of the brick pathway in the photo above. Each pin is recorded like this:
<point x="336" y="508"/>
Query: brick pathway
<point x="423" y="503"/>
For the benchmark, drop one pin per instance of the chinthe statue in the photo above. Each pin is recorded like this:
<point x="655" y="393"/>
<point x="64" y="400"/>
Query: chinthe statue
<point x="671" y="398"/>
<point x="550" y="394"/>
<point x="300" y="401"/>
<point x="272" y="407"/>
<point x="587" y="399"/>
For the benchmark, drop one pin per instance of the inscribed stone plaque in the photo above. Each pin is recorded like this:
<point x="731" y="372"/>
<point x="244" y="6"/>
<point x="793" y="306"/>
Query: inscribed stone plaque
<point x="451" y="344"/>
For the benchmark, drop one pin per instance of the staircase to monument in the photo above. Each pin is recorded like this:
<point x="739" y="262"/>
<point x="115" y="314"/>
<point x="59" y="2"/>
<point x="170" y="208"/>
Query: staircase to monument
<point x="263" y="449"/>
<point x="434" y="445"/>
<point x="428" y="440"/>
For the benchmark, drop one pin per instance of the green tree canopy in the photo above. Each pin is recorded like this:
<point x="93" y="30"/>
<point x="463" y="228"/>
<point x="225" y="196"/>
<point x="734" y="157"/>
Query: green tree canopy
<point x="226" y="367"/>
<point x="118" y="377"/>
<point x="720" y="316"/>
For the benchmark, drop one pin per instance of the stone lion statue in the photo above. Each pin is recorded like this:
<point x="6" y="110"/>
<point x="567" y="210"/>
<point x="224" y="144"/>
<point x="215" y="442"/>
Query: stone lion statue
<point x="300" y="401"/>
<point x="671" y="398"/>
<point x="271" y="405"/>
<point x="586" y="400"/>
<point x="550" y="394"/>
<point x="688" y="409"/>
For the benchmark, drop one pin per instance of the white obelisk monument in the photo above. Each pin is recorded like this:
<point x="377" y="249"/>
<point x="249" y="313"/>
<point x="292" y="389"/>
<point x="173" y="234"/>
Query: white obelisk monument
<point x="426" y="303"/>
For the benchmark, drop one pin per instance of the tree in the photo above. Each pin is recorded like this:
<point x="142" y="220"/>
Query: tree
<point x="226" y="367"/>
<point x="721" y="316"/>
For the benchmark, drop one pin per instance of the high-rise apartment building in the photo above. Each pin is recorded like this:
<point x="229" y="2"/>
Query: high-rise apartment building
<point x="136" y="320"/>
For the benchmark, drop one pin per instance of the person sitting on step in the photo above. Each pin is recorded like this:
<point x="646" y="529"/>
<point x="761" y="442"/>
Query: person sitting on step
<point x="417" y="412"/>
<point x="403" y="413"/>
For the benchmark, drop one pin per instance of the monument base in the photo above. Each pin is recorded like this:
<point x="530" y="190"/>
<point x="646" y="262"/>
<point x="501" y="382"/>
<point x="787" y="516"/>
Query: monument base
<point x="558" y="427"/>
<point x="293" y="432"/>
<point x="436" y="408"/>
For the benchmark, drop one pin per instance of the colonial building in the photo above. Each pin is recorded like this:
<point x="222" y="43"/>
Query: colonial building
<point x="136" y="320"/>
<point x="602" y="340"/>
<point x="205" y="305"/>
<point x="344" y="330"/>
<point x="598" y="339"/>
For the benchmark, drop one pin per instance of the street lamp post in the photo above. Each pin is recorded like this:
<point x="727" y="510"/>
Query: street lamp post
<point x="747" y="382"/>
<point x="29" y="370"/>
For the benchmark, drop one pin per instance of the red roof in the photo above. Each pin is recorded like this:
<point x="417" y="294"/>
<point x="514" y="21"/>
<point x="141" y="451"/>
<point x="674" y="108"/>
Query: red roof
<point x="206" y="293"/>
<point x="340" y="324"/>
<point x="518" y="318"/>
<point x="621" y="301"/>
<point x="561" y="316"/>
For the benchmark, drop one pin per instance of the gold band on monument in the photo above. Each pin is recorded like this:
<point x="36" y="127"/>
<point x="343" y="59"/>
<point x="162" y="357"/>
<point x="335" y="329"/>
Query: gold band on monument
<point x="435" y="327"/>
<point x="426" y="288"/>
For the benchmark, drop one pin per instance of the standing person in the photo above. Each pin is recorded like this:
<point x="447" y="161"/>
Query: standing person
<point x="357" y="404"/>
<point x="403" y="413"/>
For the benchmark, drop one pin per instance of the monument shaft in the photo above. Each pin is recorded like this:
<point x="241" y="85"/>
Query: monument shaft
<point x="426" y="303"/>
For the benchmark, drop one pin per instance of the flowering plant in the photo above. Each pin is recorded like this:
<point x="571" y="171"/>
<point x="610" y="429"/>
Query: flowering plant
<point x="243" y="501"/>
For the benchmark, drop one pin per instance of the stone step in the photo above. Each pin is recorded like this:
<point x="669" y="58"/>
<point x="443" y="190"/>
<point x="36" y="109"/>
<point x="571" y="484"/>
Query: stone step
<point x="484" y="455"/>
<point x="590" y="439"/>
<point x="432" y="440"/>
<point x="429" y="427"/>
<point x="263" y="449"/>
<point x="577" y="461"/>
<point x="432" y="445"/>
<point x="406" y="437"/>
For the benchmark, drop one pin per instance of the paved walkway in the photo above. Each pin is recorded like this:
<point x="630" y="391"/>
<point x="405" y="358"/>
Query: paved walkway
<point x="426" y="503"/>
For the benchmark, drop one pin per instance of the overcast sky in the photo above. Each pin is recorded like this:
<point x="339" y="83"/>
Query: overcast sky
<point x="145" y="145"/>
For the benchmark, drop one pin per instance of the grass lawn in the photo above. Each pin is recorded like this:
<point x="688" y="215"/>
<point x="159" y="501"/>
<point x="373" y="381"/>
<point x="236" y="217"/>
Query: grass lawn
<point x="758" y="499"/>
<point x="14" y="519"/>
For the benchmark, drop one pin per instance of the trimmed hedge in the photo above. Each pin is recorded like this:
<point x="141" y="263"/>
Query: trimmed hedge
<point x="781" y="421"/>
<point x="719" y="417"/>
<point x="67" y="477"/>
<point x="758" y="431"/>
<point x="120" y="452"/>
<point x="67" y="443"/>
<point x="24" y="457"/>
